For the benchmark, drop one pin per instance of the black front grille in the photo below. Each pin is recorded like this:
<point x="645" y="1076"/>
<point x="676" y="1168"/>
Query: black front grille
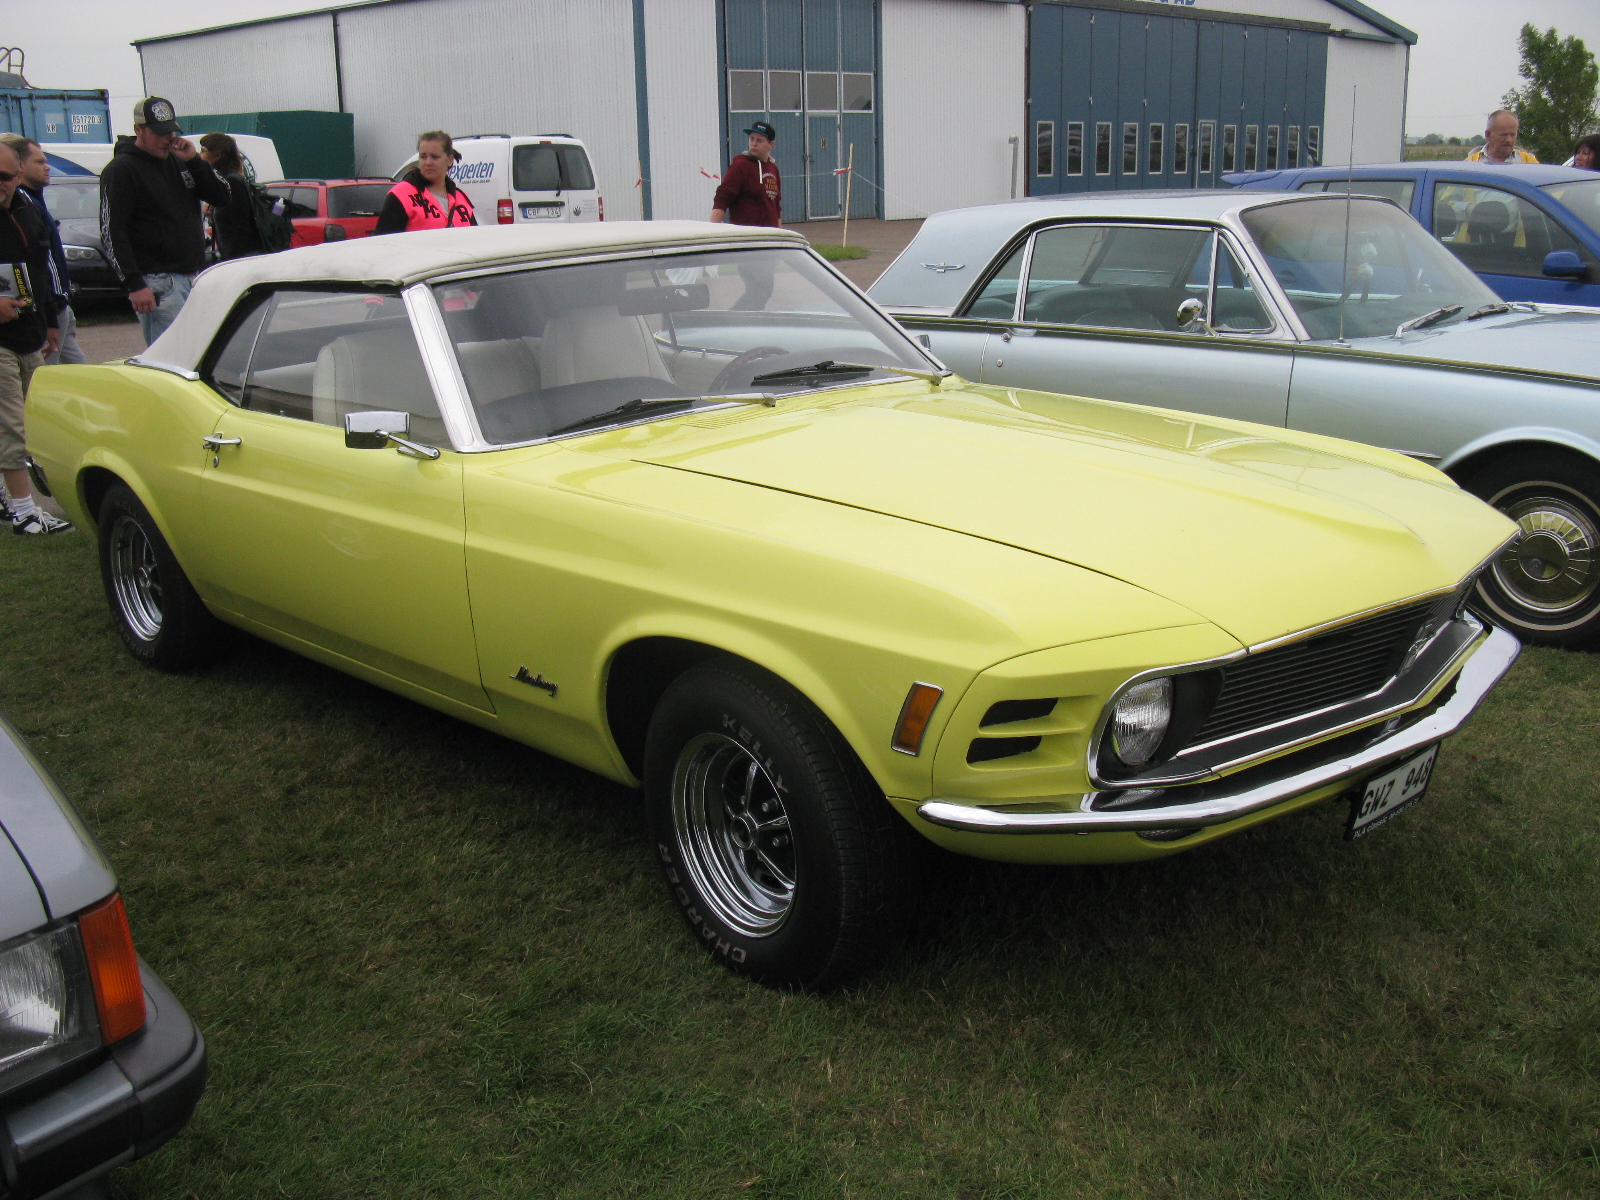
<point x="1321" y="671"/>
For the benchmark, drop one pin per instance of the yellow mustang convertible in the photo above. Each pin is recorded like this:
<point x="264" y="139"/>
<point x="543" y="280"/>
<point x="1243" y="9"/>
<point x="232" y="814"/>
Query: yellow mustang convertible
<point x="675" y="502"/>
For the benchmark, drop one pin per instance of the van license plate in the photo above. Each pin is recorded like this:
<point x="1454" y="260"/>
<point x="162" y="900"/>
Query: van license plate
<point x="531" y="211"/>
<point x="1384" y="796"/>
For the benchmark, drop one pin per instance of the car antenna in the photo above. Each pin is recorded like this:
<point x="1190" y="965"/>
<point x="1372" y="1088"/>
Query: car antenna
<point x="1349" y="187"/>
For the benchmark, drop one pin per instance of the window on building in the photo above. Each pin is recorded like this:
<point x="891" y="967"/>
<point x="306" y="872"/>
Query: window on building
<point x="1102" y="147"/>
<point x="822" y="91"/>
<point x="1207" y="132"/>
<point x="1292" y="149"/>
<point x="1180" y="149"/>
<point x="783" y="91"/>
<point x="1044" y="147"/>
<point x="747" y="91"/>
<point x="1158" y="148"/>
<point x="1252" y="142"/>
<point x="1313" y="146"/>
<point x="856" y="92"/>
<point x="1130" y="147"/>
<point x="1230" y="143"/>
<point x="1272" y="147"/>
<point x="1074" y="147"/>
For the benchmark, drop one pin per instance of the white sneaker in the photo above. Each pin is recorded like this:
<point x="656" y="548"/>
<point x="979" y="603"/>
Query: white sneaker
<point x="39" y="522"/>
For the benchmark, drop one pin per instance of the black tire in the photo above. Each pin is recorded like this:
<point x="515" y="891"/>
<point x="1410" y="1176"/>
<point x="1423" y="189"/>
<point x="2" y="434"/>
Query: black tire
<point x="1547" y="589"/>
<point x="734" y="756"/>
<point x="162" y="620"/>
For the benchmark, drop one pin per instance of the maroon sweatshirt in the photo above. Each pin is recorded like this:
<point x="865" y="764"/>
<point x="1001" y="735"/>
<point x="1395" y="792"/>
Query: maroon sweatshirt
<point x="751" y="193"/>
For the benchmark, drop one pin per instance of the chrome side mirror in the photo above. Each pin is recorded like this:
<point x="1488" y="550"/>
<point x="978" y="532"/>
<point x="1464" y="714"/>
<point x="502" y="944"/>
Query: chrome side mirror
<point x="375" y="430"/>
<point x="1192" y="317"/>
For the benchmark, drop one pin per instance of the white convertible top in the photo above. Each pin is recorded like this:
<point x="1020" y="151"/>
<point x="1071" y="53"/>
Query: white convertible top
<point x="404" y="258"/>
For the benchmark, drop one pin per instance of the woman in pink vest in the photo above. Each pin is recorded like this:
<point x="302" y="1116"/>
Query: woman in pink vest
<point x="427" y="198"/>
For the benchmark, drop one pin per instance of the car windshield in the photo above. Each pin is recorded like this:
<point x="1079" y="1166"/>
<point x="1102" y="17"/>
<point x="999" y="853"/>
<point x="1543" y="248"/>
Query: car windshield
<point x="1393" y="271"/>
<point x="357" y="199"/>
<point x="557" y="349"/>
<point x="1582" y="197"/>
<point x="73" y="201"/>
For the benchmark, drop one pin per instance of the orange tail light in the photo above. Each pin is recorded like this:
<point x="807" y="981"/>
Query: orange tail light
<point x="118" y="991"/>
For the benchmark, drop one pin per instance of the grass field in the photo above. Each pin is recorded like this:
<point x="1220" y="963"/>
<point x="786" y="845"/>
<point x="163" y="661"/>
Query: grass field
<point x="1437" y="153"/>
<point x="431" y="963"/>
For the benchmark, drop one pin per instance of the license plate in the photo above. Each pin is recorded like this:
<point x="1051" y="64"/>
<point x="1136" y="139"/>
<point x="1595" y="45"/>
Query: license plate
<point x="531" y="211"/>
<point x="1386" y="795"/>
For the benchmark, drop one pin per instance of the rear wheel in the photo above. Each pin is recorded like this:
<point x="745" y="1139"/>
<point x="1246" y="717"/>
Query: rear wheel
<point x="778" y="848"/>
<point x="1546" y="589"/>
<point x="161" y="618"/>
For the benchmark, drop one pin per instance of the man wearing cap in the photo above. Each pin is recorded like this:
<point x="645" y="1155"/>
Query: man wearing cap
<point x="751" y="193"/>
<point x="150" y="194"/>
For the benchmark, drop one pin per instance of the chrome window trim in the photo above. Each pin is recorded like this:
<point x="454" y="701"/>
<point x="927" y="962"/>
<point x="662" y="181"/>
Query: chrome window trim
<point x="169" y="368"/>
<point x="444" y="372"/>
<point x="457" y="275"/>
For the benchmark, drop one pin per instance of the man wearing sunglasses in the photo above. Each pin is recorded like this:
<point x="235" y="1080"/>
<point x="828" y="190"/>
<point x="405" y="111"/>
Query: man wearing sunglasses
<point x="27" y="333"/>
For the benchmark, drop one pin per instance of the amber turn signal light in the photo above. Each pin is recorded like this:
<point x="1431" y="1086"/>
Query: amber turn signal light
<point x="914" y="715"/>
<point x="118" y="990"/>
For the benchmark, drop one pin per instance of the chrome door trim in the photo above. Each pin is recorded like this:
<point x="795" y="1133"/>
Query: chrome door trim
<point x="169" y="368"/>
<point x="444" y="372"/>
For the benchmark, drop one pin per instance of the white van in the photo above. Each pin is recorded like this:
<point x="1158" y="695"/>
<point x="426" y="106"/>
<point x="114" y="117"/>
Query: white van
<point x="92" y="157"/>
<point x="532" y="177"/>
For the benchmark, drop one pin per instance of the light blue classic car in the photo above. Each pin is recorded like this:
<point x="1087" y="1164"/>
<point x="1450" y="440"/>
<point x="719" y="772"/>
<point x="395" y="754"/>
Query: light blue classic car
<point x="1332" y="314"/>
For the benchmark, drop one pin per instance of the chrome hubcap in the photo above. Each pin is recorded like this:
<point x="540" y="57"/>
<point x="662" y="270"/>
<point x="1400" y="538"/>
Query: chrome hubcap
<point x="733" y="833"/>
<point x="1554" y="567"/>
<point x="135" y="579"/>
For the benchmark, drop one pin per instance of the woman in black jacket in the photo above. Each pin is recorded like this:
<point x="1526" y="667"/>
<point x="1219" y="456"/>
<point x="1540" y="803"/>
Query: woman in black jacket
<point x="234" y="223"/>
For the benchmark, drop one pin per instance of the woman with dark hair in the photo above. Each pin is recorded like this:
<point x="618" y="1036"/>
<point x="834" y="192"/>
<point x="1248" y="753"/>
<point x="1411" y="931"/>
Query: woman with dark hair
<point x="1586" y="154"/>
<point x="427" y="198"/>
<point x="234" y="224"/>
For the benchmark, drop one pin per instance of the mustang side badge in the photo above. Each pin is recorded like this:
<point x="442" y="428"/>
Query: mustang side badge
<point x="943" y="267"/>
<point x="538" y="681"/>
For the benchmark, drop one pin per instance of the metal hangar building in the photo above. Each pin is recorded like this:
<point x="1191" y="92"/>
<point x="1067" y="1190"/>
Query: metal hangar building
<point x="942" y="103"/>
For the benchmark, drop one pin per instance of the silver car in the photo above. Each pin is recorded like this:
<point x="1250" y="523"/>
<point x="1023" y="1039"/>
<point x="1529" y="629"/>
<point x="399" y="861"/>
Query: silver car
<point x="99" y="1064"/>
<point x="1332" y="314"/>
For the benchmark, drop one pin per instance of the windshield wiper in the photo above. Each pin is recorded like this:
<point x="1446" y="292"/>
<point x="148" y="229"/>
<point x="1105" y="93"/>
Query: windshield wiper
<point x="1488" y="310"/>
<point x="633" y="408"/>
<point x="1426" y="319"/>
<point x="816" y="371"/>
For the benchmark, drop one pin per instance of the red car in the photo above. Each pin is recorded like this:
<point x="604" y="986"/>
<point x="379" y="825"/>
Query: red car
<point x="331" y="210"/>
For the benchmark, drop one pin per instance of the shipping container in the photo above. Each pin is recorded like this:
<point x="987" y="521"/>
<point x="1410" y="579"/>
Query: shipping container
<point x="311" y="144"/>
<point x="49" y="116"/>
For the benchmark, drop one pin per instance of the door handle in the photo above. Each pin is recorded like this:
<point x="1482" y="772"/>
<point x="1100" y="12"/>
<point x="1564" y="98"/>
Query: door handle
<point x="214" y="444"/>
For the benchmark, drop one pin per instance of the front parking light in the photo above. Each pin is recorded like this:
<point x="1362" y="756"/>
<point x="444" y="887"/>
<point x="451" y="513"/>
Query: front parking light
<point x="114" y="967"/>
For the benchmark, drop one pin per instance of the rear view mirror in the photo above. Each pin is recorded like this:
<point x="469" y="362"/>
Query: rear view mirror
<point x="333" y="233"/>
<point x="640" y="302"/>
<point x="373" y="430"/>
<point x="1565" y="264"/>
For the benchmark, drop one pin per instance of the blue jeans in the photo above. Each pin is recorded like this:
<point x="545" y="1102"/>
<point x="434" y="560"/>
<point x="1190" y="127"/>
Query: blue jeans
<point x="170" y="293"/>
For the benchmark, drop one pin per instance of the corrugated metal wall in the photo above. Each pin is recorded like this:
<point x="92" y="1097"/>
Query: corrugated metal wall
<point x="284" y="64"/>
<point x="953" y="93"/>
<point x="685" y="145"/>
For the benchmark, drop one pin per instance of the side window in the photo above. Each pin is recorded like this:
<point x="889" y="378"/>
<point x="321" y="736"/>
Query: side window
<point x="1115" y="276"/>
<point x="320" y="355"/>
<point x="1236" y="308"/>
<point x="227" y="373"/>
<point x="1398" y="190"/>
<point x="998" y="300"/>
<point x="1495" y="232"/>
<point x="305" y="203"/>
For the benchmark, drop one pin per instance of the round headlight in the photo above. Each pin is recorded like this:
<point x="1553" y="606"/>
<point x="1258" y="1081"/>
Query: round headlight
<point x="1139" y="721"/>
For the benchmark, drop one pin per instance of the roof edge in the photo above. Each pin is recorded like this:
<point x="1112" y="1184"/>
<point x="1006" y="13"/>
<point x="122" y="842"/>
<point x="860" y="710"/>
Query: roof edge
<point x="1373" y="17"/>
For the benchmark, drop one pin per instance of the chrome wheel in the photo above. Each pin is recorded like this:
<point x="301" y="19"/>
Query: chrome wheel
<point x="135" y="578"/>
<point x="733" y="833"/>
<point x="1554" y="568"/>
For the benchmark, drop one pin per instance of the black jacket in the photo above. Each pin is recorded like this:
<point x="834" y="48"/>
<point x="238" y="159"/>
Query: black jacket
<point x="25" y="240"/>
<point x="237" y="233"/>
<point x="150" y="212"/>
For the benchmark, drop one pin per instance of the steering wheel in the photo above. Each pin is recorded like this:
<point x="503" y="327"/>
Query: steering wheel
<point x="730" y="372"/>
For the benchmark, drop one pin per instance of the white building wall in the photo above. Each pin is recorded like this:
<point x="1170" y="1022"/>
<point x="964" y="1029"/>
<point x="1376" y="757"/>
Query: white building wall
<point x="495" y="66"/>
<point x="1377" y="73"/>
<point x="953" y="91"/>
<point x="257" y="68"/>
<point x="685" y="114"/>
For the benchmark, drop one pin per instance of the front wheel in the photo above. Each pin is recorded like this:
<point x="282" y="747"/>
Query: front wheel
<point x="1546" y="589"/>
<point x="162" y="620"/>
<point x="778" y="849"/>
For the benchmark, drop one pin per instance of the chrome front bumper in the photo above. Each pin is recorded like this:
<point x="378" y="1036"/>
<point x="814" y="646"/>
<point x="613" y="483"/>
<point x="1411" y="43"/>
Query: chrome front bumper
<point x="1245" y="793"/>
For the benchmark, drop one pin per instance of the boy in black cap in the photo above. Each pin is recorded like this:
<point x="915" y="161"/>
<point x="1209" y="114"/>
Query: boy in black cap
<point x="751" y="193"/>
<point x="150" y="194"/>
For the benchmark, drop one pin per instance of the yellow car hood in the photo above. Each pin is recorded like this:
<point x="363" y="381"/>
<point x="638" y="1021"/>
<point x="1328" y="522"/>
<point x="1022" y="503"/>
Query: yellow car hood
<point x="1260" y="531"/>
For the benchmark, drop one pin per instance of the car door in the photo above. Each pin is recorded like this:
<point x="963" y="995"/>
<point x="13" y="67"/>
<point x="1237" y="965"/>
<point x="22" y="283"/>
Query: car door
<point x="1097" y="315"/>
<point x="1504" y="237"/>
<point x="360" y="552"/>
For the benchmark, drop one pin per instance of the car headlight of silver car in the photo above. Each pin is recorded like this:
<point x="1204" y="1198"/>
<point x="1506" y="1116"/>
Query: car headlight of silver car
<point x="1139" y="721"/>
<point x="82" y="254"/>
<point x="47" y="1009"/>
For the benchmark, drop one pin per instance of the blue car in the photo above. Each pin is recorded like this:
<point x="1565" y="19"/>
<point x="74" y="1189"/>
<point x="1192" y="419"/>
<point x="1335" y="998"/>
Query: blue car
<point x="1529" y="232"/>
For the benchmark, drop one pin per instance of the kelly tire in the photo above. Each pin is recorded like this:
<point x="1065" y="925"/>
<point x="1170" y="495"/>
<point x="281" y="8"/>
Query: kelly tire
<point x="1546" y="590"/>
<point x="161" y="619"/>
<point x="778" y="849"/>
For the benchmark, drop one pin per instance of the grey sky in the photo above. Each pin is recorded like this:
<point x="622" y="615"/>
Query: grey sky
<point x="1464" y="61"/>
